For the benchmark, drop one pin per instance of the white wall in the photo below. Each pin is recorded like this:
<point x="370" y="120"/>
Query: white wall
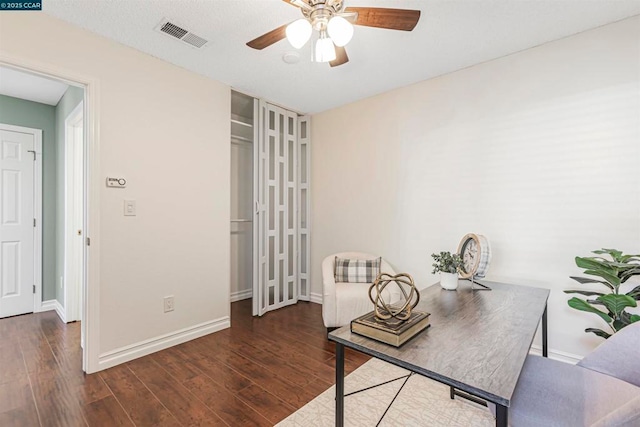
<point x="166" y="130"/>
<point x="539" y="151"/>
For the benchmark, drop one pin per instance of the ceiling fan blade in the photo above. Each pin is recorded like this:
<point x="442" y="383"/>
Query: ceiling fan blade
<point x="269" y="38"/>
<point x="341" y="57"/>
<point x="349" y="16"/>
<point x="299" y="3"/>
<point x="392" y="19"/>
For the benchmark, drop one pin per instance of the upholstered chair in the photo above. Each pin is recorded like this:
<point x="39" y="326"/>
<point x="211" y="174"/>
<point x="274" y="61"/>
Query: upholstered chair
<point x="344" y="301"/>
<point x="602" y="390"/>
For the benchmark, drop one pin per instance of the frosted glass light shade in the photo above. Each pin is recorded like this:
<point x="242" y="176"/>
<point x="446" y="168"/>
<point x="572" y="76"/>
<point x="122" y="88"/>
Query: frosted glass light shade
<point x="298" y="32"/>
<point x="340" y="30"/>
<point x="325" y="51"/>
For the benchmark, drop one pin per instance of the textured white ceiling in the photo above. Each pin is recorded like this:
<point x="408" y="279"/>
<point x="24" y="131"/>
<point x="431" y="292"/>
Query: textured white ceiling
<point x="451" y="35"/>
<point x="30" y="87"/>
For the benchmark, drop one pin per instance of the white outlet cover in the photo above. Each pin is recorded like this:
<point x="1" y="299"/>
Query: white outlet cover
<point x="169" y="304"/>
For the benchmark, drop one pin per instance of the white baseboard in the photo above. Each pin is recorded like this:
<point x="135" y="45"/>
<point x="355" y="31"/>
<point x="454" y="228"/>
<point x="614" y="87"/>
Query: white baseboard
<point x="48" y="305"/>
<point x="317" y="298"/>
<point x="556" y="355"/>
<point x="53" y="304"/>
<point x="240" y="295"/>
<point x="143" y="348"/>
<point x="60" y="310"/>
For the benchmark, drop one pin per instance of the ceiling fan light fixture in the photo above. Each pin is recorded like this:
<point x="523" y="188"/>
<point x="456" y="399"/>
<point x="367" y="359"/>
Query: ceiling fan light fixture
<point x="340" y="30"/>
<point x="299" y="32"/>
<point x="325" y="50"/>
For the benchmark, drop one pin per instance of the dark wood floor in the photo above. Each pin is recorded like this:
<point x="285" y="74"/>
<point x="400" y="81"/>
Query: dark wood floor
<point x="255" y="373"/>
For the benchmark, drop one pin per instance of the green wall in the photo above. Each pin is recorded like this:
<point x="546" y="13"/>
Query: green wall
<point x="19" y="112"/>
<point x="70" y="100"/>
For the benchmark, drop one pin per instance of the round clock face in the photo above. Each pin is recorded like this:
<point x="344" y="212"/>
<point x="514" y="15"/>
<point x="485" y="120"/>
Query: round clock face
<point x="476" y="254"/>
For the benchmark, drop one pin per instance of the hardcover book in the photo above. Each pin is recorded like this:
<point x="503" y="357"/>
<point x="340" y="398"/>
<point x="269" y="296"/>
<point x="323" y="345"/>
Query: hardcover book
<point x="393" y="331"/>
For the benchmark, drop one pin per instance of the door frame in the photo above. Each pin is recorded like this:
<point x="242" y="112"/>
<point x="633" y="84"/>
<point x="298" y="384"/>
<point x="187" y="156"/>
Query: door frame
<point x="37" y="209"/>
<point x="72" y="178"/>
<point x="91" y="280"/>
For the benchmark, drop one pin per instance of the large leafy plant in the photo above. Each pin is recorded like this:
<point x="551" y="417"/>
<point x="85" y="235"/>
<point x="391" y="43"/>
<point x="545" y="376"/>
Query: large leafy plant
<point x="611" y="273"/>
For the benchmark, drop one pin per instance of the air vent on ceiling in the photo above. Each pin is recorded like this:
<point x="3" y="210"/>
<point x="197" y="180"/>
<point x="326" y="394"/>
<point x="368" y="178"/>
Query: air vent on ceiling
<point x="167" y="27"/>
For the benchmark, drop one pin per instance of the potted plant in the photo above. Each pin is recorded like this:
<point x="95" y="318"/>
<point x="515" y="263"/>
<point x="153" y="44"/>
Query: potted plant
<point x="611" y="305"/>
<point x="448" y="266"/>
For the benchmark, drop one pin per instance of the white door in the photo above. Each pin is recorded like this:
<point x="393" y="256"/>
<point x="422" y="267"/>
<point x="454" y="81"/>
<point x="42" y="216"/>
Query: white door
<point x="275" y="273"/>
<point x="304" y="204"/>
<point x="17" y="168"/>
<point x="74" y="210"/>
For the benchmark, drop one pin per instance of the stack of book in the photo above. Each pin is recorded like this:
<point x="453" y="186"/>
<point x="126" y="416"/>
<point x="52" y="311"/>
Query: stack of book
<point x="393" y="331"/>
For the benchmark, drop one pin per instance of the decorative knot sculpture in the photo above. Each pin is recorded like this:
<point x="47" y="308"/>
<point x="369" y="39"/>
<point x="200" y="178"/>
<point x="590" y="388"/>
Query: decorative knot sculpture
<point x="402" y="310"/>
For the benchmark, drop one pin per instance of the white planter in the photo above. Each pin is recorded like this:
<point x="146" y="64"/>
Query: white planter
<point x="449" y="281"/>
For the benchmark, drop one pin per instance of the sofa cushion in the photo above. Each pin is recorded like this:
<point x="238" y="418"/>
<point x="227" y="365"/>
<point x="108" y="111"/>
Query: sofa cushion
<point x="553" y="393"/>
<point x="356" y="270"/>
<point x="618" y="356"/>
<point x="628" y="415"/>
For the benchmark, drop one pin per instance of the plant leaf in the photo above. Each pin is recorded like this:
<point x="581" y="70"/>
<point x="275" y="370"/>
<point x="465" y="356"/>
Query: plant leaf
<point x="635" y="318"/>
<point x="590" y="263"/>
<point x="598" y="332"/>
<point x="584" y="280"/>
<point x="627" y="318"/>
<point x="626" y="274"/>
<point x="612" y="278"/>
<point x="614" y="253"/>
<point x="585" y="293"/>
<point x="582" y="305"/>
<point x="634" y="293"/>
<point x="618" y="324"/>
<point x="623" y="264"/>
<point x="616" y="303"/>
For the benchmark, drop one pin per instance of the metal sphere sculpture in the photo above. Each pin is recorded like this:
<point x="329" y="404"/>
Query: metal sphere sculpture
<point x="384" y="310"/>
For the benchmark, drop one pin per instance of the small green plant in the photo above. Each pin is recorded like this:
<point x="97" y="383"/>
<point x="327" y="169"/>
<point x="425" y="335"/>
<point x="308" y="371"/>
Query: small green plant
<point x="612" y="273"/>
<point x="447" y="263"/>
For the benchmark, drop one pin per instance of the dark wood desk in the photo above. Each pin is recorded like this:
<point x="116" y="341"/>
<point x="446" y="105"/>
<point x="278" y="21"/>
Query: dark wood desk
<point x="477" y="342"/>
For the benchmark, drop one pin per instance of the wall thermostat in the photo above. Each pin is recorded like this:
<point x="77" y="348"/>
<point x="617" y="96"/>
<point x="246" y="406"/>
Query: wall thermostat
<point x="116" y="182"/>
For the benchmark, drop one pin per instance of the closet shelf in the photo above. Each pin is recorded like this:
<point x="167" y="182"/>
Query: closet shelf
<point x="241" y="123"/>
<point x="241" y="138"/>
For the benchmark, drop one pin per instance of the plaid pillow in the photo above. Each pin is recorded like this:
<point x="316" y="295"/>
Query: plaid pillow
<point x="357" y="270"/>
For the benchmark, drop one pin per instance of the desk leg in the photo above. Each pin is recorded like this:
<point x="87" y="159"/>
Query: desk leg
<point x="339" y="385"/>
<point x="545" y="351"/>
<point x="502" y="416"/>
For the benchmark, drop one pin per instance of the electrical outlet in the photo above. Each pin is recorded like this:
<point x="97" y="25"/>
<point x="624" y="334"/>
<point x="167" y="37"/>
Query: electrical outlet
<point x="168" y="304"/>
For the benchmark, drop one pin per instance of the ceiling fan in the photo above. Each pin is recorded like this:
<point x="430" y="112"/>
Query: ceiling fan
<point x="334" y="23"/>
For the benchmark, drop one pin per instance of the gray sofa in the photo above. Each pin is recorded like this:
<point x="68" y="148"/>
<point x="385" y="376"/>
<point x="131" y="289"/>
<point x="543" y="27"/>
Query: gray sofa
<point x="602" y="390"/>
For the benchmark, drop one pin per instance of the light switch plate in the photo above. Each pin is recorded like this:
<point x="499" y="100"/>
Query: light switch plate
<point x="129" y="208"/>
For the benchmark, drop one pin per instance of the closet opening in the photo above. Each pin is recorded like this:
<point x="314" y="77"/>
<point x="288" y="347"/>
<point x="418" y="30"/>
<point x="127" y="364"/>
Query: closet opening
<point x="243" y="131"/>
<point x="270" y="227"/>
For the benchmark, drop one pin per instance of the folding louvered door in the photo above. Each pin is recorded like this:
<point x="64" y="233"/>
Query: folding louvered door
<point x="304" y="202"/>
<point x="277" y="278"/>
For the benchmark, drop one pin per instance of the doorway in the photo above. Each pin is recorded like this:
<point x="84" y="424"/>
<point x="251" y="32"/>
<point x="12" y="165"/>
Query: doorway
<point x="270" y="226"/>
<point x="68" y="155"/>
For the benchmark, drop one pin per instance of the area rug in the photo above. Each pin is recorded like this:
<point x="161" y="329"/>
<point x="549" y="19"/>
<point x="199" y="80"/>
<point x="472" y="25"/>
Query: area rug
<point x="420" y="402"/>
